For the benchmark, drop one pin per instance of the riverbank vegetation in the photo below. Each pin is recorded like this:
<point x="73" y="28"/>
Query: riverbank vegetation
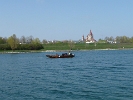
<point x="85" y="46"/>
<point x="13" y="43"/>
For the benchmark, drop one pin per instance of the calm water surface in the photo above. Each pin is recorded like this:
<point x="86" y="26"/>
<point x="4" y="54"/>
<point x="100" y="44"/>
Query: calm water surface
<point x="90" y="75"/>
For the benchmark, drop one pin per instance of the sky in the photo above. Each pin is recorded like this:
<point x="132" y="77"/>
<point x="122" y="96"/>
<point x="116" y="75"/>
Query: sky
<point x="66" y="19"/>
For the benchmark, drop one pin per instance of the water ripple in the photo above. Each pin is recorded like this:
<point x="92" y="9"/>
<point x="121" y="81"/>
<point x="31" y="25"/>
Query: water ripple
<point x="91" y="75"/>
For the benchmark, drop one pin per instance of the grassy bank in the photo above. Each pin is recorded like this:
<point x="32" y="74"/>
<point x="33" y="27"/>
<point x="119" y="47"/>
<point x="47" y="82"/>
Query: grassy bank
<point x="75" y="46"/>
<point x="85" y="46"/>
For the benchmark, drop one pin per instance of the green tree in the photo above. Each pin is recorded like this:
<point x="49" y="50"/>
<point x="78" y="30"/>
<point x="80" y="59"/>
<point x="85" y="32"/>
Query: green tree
<point x="123" y="39"/>
<point x="36" y="43"/>
<point x="2" y="40"/>
<point x="131" y="39"/>
<point x="13" y="42"/>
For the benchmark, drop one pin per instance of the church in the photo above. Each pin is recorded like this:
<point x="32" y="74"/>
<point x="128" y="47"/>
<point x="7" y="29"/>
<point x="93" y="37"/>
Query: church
<point x="89" y="38"/>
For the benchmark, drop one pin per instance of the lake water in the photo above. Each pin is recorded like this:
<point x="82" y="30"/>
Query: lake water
<point x="90" y="75"/>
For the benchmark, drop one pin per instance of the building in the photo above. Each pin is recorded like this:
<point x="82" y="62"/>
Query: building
<point x="89" y="38"/>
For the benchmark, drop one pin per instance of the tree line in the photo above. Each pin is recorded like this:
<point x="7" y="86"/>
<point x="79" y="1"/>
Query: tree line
<point x="30" y="43"/>
<point x="120" y="39"/>
<point x="24" y="43"/>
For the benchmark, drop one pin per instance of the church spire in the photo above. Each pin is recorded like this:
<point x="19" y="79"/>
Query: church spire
<point x="83" y="38"/>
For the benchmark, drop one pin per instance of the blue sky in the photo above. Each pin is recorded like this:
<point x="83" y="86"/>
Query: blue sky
<point x="66" y="19"/>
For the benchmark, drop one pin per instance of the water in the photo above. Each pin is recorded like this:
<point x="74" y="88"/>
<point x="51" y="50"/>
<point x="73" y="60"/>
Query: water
<point x="90" y="75"/>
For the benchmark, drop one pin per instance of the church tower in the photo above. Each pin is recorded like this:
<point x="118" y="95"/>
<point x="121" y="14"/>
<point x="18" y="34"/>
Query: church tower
<point x="83" y="39"/>
<point x="89" y="38"/>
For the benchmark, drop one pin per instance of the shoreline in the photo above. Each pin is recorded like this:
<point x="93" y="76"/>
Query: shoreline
<point x="11" y="52"/>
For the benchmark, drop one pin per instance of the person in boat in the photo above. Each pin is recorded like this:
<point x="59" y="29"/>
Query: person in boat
<point x="64" y="54"/>
<point x="69" y="53"/>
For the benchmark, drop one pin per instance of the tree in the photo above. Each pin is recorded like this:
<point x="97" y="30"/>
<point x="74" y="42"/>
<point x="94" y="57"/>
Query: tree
<point x="13" y="41"/>
<point x="44" y="41"/>
<point x="36" y="44"/>
<point x="71" y="44"/>
<point x="22" y="40"/>
<point x="131" y="40"/>
<point x="123" y="39"/>
<point x="118" y="39"/>
<point x="36" y="41"/>
<point x="109" y="38"/>
<point x="2" y="40"/>
<point x="106" y="38"/>
<point x="30" y="39"/>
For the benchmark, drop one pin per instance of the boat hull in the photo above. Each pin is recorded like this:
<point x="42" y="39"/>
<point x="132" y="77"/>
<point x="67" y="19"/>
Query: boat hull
<point x="61" y="56"/>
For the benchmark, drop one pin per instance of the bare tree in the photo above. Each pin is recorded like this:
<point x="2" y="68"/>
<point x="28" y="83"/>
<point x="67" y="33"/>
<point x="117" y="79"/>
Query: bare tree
<point x="44" y="41"/>
<point x="71" y="44"/>
<point x="29" y="39"/>
<point x="23" y="39"/>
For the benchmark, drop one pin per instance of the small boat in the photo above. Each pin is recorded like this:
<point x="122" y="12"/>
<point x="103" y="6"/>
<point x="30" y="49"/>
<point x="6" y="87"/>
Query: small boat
<point x="64" y="55"/>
